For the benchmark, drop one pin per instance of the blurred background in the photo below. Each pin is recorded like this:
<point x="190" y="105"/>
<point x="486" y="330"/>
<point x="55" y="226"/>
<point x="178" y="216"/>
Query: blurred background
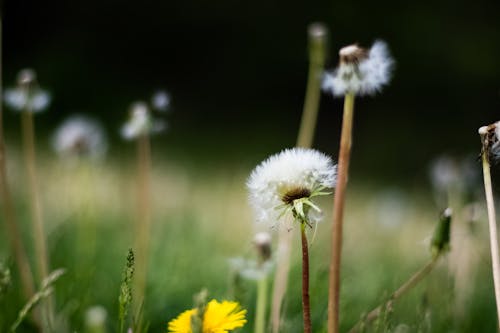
<point x="236" y="72"/>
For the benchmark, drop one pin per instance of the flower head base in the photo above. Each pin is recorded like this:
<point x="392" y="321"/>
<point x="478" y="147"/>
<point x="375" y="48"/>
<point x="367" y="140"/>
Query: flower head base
<point x="218" y="318"/>
<point x="27" y="96"/>
<point x="286" y="182"/>
<point x="360" y="71"/>
<point x="490" y="137"/>
<point x="80" y="136"/>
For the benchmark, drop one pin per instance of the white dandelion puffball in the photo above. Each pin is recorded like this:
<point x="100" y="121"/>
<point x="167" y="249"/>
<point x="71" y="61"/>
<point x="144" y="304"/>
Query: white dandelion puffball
<point x="161" y="101"/>
<point x="289" y="175"/>
<point x="95" y="317"/>
<point x="139" y="122"/>
<point x="360" y="71"/>
<point x="27" y="96"/>
<point x="20" y="99"/>
<point x="80" y="136"/>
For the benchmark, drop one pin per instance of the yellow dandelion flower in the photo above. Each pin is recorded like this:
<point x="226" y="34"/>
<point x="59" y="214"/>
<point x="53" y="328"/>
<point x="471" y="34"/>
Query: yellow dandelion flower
<point x="218" y="318"/>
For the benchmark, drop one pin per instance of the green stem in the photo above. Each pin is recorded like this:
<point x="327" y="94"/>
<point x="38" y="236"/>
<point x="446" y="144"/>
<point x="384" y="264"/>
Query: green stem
<point x="143" y="226"/>
<point x="407" y="286"/>
<point x="495" y="259"/>
<point x="7" y="208"/>
<point x="317" y="55"/>
<point x="260" y="311"/>
<point x="338" y="214"/>
<point x="306" y="306"/>
<point x="28" y="129"/>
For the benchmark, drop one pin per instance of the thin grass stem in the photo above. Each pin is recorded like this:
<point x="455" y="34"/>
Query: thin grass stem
<point x="338" y="214"/>
<point x="403" y="289"/>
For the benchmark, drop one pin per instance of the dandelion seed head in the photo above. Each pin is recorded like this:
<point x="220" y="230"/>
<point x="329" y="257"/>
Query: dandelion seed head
<point x="317" y="30"/>
<point x="27" y="96"/>
<point x="161" y="101"/>
<point x="286" y="176"/>
<point x="26" y="76"/>
<point x="483" y="130"/>
<point x="262" y="241"/>
<point x="262" y="238"/>
<point x="360" y="71"/>
<point x="139" y="122"/>
<point x="80" y="136"/>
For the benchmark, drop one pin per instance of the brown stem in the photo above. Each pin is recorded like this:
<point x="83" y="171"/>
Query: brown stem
<point x="306" y="306"/>
<point x="338" y="213"/>
<point x="408" y="285"/>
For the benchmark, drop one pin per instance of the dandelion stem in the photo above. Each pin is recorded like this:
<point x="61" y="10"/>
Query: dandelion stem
<point x="306" y="306"/>
<point x="143" y="227"/>
<point x="36" y="207"/>
<point x="338" y="213"/>
<point x="13" y="234"/>
<point x="28" y="128"/>
<point x="405" y="287"/>
<point x="317" y="55"/>
<point x="495" y="260"/>
<point x="260" y="311"/>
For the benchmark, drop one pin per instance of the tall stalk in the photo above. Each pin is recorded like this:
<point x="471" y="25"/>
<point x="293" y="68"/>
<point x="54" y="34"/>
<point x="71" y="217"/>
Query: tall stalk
<point x="15" y="239"/>
<point x="143" y="226"/>
<point x="495" y="259"/>
<point x="260" y="310"/>
<point x="306" y="305"/>
<point x="36" y="207"/>
<point x="338" y="214"/>
<point x="317" y="54"/>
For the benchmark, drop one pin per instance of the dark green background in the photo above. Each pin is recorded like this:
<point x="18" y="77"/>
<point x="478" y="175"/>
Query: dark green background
<point x="237" y="72"/>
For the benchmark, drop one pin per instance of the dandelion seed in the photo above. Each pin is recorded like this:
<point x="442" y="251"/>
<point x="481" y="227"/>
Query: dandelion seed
<point x="160" y="101"/>
<point x="287" y="181"/>
<point x="80" y="136"/>
<point x="360" y="71"/>
<point x="219" y="317"/>
<point x="27" y="96"/>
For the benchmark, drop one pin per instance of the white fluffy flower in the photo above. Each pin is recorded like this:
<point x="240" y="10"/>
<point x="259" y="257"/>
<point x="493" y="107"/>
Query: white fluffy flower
<point x="251" y="269"/>
<point x="27" y="96"/>
<point x="160" y="101"/>
<point x="284" y="179"/>
<point x="141" y="122"/>
<point x="80" y="136"/>
<point x="360" y="71"/>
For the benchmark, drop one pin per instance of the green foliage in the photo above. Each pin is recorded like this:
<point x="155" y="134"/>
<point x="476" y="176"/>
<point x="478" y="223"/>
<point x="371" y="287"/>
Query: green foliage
<point x="125" y="297"/>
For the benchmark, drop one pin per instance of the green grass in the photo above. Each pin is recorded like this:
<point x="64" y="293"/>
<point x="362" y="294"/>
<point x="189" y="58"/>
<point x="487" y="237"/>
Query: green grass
<point x="201" y="218"/>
